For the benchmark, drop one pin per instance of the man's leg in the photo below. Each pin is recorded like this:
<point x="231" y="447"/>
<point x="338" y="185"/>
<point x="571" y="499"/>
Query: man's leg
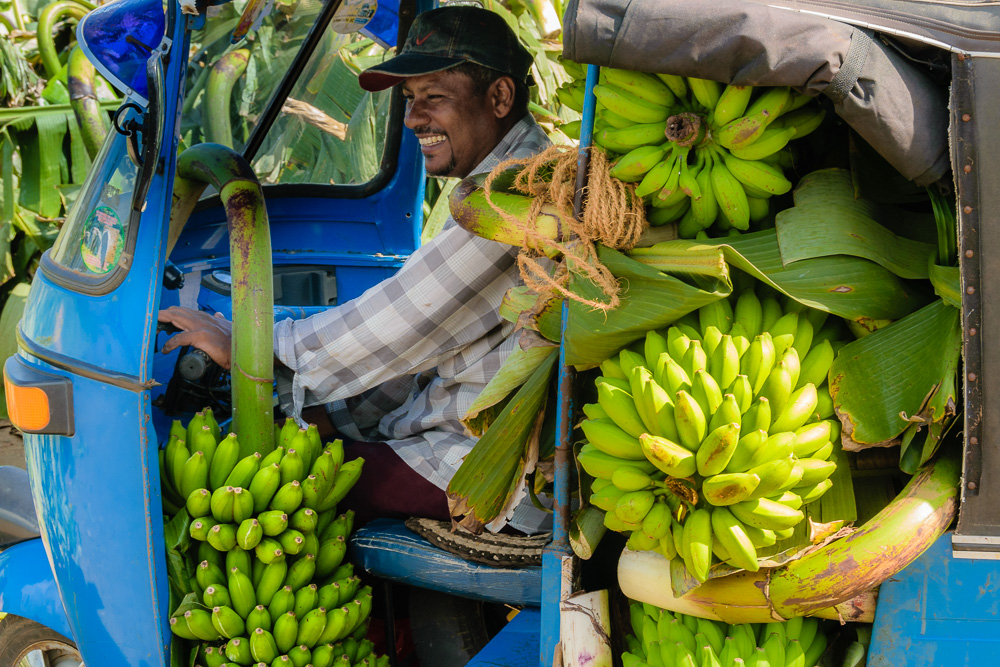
<point x="389" y="488"/>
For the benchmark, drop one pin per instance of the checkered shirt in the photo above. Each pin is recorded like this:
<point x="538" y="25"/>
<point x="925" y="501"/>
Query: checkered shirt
<point x="403" y="362"/>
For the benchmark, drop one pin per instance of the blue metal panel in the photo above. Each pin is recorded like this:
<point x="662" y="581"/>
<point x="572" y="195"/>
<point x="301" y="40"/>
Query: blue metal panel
<point x="27" y="587"/>
<point x="938" y="612"/>
<point x="516" y="645"/>
<point x="388" y="549"/>
<point x="552" y="558"/>
<point x="100" y="521"/>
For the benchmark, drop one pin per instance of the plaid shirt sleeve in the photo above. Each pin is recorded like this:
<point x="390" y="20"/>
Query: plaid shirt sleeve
<point x="404" y="361"/>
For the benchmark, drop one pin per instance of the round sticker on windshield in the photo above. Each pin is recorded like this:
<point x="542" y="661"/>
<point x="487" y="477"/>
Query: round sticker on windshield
<point x="353" y="15"/>
<point x="103" y="239"/>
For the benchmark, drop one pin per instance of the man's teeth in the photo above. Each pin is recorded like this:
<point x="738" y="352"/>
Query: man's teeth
<point x="430" y="141"/>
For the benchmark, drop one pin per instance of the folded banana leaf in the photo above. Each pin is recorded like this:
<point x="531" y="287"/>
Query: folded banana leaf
<point x="515" y="371"/>
<point x="521" y="306"/>
<point x="900" y="372"/>
<point x="947" y="284"/>
<point x="651" y="298"/>
<point x="851" y="287"/>
<point x="823" y="229"/>
<point x="490" y="473"/>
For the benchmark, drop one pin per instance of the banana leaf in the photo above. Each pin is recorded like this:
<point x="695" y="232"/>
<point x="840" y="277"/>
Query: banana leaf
<point x="434" y="222"/>
<point x="850" y="287"/>
<point x="825" y="229"/>
<point x="493" y="469"/>
<point x="902" y="371"/>
<point x="947" y="284"/>
<point x="515" y="371"/>
<point x="520" y="306"/>
<point x="651" y="298"/>
<point x="13" y="308"/>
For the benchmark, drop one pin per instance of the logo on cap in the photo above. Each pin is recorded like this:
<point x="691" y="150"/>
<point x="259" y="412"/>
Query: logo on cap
<point x="420" y="40"/>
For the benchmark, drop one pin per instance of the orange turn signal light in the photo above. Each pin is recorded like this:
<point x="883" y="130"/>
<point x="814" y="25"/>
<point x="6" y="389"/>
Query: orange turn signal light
<point x="28" y="407"/>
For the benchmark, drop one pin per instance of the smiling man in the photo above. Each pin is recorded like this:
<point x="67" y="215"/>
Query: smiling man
<point x="396" y="369"/>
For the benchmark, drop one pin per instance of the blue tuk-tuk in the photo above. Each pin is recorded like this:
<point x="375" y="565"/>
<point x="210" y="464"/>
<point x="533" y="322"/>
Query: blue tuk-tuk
<point x="83" y="577"/>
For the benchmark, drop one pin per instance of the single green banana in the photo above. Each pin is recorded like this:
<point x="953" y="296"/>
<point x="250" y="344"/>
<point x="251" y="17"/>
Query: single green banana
<point x="691" y="423"/>
<point x="274" y="456"/>
<point x="311" y="628"/>
<point x="222" y="536"/>
<point x="718" y="314"/>
<point x="771" y="101"/>
<point x="227" y="453"/>
<point x="729" y="488"/>
<point x="815" y="366"/>
<point x="671" y="375"/>
<point x="249" y="534"/>
<point x="243" y="472"/>
<point x="199" y="503"/>
<point x="608" y="437"/>
<point x="777" y="387"/>
<point x="773" y="475"/>
<point x="288" y="497"/>
<point x="331" y="555"/>
<point x="628" y="105"/>
<point x="732" y="104"/>
<point x="273" y="522"/>
<point x="799" y="409"/>
<point x="705" y="92"/>
<point x="695" y="359"/>
<point x="301" y="572"/>
<point x="282" y="602"/>
<point x="613" y="119"/>
<point x="758" y="175"/>
<point x="749" y="444"/>
<point x="240" y="559"/>
<point x="300" y="656"/>
<point x="621" y="407"/>
<point x="271" y="581"/>
<point x="632" y="166"/>
<point x="706" y="391"/>
<point x="741" y="132"/>
<point x="601" y="465"/>
<point x="697" y="539"/>
<point x="810" y="494"/>
<point x="306" y="599"/>
<point x="345" y="479"/>
<point x="717" y="449"/>
<point x="815" y="471"/>
<point x="336" y="625"/>
<point x="803" y="121"/>
<point x="258" y="618"/>
<point x="286" y="628"/>
<point x="730" y="195"/>
<point x="221" y="503"/>
<point x="194" y="474"/>
<point x="633" y="506"/>
<point x="303" y="520"/>
<point x="262" y="646"/>
<point x="238" y="651"/>
<point x="216" y="595"/>
<point x="742" y="392"/>
<point x="269" y="550"/>
<point x="640" y="84"/>
<point x="771" y="140"/>
<point x="766" y="514"/>
<point x="293" y="466"/>
<point x="705" y="208"/>
<point x="656" y="179"/>
<point x="242" y="505"/>
<point x="227" y="622"/>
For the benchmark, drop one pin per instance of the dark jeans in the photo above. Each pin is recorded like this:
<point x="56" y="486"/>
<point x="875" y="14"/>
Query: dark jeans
<point x="389" y="488"/>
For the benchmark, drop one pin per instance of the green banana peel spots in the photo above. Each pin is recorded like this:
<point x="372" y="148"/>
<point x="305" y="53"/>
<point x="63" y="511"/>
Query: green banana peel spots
<point x="902" y="372"/>
<point x="491" y="471"/>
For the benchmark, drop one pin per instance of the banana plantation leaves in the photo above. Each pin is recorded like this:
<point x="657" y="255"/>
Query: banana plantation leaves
<point x="651" y="298"/>
<point x="822" y="230"/>
<point x="515" y="371"/>
<point x="850" y="287"/>
<point x="13" y="308"/>
<point x="900" y="372"/>
<point x="492" y="470"/>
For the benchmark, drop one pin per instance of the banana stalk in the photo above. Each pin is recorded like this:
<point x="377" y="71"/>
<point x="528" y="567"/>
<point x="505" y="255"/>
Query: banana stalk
<point x="835" y="581"/>
<point x="218" y="96"/>
<point x="891" y="540"/>
<point x="47" y="19"/>
<point x="585" y="623"/>
<point x="474" y="213"/>
<point x="253" y="297"/>
<point x="82" y="97"/>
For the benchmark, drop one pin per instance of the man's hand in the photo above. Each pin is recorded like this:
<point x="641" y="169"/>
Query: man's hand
<point x="212" y="335"/>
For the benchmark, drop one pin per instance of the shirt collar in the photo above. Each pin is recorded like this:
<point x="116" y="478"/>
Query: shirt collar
<point x="523" y="130"/>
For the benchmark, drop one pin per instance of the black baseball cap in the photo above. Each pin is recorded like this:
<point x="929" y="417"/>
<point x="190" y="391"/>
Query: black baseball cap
<point x="442" y="38"/>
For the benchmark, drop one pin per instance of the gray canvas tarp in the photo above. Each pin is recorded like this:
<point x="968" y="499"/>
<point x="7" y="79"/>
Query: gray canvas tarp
<point x="890" y="102"/>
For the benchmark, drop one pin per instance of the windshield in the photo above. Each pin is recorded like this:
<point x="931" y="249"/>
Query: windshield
<point x="228" y="85"/>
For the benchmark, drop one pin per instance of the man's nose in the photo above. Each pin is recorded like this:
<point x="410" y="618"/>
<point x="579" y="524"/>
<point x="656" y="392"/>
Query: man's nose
<point x="415" y="115"/>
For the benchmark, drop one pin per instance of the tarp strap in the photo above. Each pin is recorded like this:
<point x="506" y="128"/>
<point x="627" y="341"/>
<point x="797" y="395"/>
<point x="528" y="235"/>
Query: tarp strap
<point x="850" y="70"/>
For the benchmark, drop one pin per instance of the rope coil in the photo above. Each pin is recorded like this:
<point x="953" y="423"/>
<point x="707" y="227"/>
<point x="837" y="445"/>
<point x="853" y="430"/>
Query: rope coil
<point x="612" y="216"/>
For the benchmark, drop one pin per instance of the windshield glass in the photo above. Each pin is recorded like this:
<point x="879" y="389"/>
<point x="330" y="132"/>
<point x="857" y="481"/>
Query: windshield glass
<point x="228" y="85"/>
<point x="330" y="131"/>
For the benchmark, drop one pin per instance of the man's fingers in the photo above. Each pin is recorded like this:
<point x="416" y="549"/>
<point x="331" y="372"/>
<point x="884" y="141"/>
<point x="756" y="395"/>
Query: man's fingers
<point x="178" y="340"/>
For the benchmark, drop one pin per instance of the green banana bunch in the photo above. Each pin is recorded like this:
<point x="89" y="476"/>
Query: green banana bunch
<point x="706" y="155"/>
<point x="707" y="441"/>
<point x="268" y="552"/>
<point x="661" y="637"/>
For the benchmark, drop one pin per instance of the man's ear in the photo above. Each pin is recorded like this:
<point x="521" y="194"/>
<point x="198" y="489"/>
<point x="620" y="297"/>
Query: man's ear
<point x="501" y="95"/>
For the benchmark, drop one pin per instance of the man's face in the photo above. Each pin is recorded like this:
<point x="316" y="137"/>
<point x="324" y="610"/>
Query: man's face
<point x="456" y="128"/>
